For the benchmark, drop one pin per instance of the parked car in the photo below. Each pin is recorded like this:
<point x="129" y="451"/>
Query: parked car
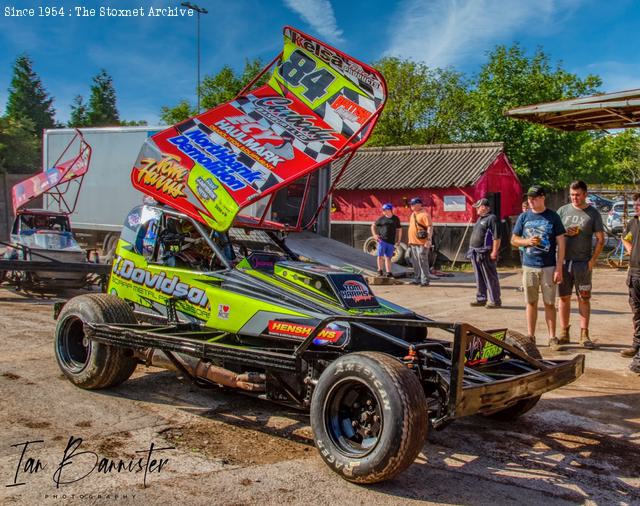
<point x="600" y="203"/>
<point x="615" y="218"/>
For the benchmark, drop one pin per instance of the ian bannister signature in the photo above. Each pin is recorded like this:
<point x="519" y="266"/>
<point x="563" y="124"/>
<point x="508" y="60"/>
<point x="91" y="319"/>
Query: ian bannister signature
<point x="77" y="464"/>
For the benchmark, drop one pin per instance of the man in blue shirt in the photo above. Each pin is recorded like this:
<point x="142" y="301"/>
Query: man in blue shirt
<point x="541" y="232"/>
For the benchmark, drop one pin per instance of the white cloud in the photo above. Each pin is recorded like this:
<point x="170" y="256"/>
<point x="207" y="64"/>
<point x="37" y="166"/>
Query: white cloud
<point x="319" y="14"/>
<point x="448" y="32"/>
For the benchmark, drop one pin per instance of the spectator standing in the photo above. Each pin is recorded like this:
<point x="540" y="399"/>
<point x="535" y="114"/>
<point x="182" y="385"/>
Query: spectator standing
<point x="541" y="232"/>
<point x="387" y="230"/>
<point x="631" y="241"/>
<point x="484" y="245"/>
<point x="525" y="208"/>
<point x="420" y="237"/>
<point x="582" y="222"/>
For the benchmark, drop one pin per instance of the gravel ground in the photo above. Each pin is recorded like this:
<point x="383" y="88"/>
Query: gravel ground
<point x="581" y="444"/>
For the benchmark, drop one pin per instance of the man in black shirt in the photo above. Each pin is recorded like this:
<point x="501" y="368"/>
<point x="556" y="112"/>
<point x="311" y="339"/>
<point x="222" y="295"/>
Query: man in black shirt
<point x="387" y="231"/>
<point x="484" y="246"/>
<point x="631" y="241"/>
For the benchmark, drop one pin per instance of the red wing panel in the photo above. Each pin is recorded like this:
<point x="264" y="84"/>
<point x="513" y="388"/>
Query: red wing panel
<point x="213" y="165"/>
<point x="41" y="183"/>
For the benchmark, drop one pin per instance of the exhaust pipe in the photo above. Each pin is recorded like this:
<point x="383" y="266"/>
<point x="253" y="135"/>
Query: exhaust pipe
<point x="249" y="381"/>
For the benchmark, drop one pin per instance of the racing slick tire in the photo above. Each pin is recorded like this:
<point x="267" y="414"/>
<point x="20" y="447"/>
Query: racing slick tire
<point x="369" y="416"/>
<point x="525" y="344"/>
<point x="86" y="363"/>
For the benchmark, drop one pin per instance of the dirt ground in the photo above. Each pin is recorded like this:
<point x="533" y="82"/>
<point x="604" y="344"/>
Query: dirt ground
<point x="581" y="444"/>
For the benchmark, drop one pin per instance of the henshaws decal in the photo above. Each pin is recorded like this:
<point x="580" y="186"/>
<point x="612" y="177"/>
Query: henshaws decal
<point x="287" y="329"/>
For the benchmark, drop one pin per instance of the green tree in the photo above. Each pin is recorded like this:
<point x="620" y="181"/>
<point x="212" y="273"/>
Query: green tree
<point x="19" y="147"/>
<point x="177" y="113"/>
<point x="214" y="90"/>
<point x="509" y="79"/>
<point x="102" y="110"/>
<point x="133" y="122"/>
<point x="78" y="116"/>
<point x="623" y="151"/>
<point x="28" y="98"/>
<point x="424" y="106"/>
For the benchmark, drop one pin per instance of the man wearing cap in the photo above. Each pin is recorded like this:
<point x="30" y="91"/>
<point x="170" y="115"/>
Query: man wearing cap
<point x="483" y="252"/>
<point x="541" y="232"/>
<point x="387" y="230"/>
<point x="582" y="222"/>
<point x="420" y="236"/>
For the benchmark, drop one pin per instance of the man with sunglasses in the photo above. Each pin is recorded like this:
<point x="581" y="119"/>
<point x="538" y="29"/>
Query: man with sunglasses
<point x="631" y="241"/>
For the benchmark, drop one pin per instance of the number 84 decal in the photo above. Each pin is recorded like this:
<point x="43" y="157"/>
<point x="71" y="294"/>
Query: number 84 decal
<point x="300" y="70"/>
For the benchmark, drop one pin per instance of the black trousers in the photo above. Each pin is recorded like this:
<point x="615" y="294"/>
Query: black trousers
<point x="633" y="282"/>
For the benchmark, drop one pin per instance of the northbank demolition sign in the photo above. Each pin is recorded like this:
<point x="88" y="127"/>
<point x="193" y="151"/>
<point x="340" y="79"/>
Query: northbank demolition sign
<point x="103" y="12"/>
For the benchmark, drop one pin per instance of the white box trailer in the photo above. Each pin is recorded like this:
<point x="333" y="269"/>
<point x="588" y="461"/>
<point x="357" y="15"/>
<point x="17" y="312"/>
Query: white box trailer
<point x="107" y="194"/>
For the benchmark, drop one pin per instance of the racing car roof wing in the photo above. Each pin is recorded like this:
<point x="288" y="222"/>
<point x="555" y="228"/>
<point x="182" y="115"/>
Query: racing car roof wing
<point x="56" y="181"/>
<point x="318" y="105"/>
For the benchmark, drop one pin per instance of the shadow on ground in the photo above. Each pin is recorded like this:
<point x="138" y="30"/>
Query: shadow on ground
<point x="564" y="450"/>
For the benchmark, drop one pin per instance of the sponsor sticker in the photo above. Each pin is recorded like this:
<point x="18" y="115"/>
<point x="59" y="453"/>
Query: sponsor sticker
<point x="348" y="110"/>
<point x="206" y="188"/>
<point x="287" y="329"/>
<point x="254" y="138"/>
<point x="277" y="110"/>
<point x="480" y="351"/>
<point x="223" y="311"/>
<point x="166" y="175"/>
<point x="133" y="219"/>
<point x="356" y="292"/>
<point x="160" y="282"/>
<point x="335" y="60"/>
<point x="220" y="161"/>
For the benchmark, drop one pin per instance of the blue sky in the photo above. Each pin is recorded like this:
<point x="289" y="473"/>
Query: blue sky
<point x="152" y="59"/>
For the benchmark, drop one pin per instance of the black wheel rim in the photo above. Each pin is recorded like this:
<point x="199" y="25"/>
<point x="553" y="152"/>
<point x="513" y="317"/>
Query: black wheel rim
<point x="73" y="346"/>
<point x="353" y="418"/>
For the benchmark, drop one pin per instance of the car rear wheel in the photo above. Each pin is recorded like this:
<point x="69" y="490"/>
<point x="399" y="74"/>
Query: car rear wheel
<point x="369" y="417"/>
<point x="86" y="363"/>
<point x="525" y="344"/>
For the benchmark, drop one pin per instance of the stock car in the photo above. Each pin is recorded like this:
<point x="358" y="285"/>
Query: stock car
<point x="218" y="296"/>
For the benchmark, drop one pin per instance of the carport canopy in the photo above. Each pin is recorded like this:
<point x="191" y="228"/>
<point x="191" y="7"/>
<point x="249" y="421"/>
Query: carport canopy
<point x="596" y="112"/>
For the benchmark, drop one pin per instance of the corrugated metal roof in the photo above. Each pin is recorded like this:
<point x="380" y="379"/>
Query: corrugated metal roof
<point x="431" y="166"/>
<point x="608" y="110"/>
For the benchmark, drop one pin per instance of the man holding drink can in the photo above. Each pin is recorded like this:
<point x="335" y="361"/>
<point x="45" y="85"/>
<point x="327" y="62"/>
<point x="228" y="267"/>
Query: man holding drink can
<point x="582" y="222"/>
<point x="541" y="233"/>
